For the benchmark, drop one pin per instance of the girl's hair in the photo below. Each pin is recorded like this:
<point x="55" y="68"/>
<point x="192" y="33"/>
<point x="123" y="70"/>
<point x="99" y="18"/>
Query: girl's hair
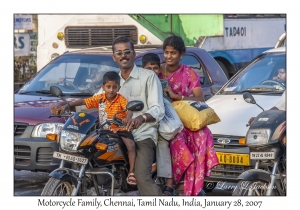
<point x="176" y="42"/>
<point x="111" y="76"/>
<point x="150" y="58"/>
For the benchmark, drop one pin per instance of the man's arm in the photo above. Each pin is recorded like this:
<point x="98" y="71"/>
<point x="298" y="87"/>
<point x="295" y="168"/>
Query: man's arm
<point x="154" y="101"/>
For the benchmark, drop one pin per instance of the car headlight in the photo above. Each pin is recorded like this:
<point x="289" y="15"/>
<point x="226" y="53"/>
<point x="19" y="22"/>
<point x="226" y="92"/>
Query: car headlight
<point x="41" y="130"/>
<point x="258" y="136"/>
<point x="69" y="140"/>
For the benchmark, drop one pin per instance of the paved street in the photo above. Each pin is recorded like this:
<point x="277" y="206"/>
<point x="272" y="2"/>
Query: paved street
<point x="31" y="184"/>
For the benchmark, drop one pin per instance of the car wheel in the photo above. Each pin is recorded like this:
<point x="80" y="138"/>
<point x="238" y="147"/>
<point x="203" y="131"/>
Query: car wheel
<point x="223" y="67"/>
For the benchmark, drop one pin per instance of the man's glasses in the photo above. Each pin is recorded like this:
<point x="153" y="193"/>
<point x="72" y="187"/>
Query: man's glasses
<point x="125" y="52"/>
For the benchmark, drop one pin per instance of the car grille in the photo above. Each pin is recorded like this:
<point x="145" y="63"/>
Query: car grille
<point x="233" y="144"/>
<point x="230" y="171"/>
<point x="93" y="36"/>
<point x="44" y="155"/>
<point x="22" y="155"/>
<point x="19" y="128"/>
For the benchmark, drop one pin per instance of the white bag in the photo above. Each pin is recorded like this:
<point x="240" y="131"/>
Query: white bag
<point x="171" y="124"/>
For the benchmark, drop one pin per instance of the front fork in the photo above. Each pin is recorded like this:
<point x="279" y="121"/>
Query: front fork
<point x="79" y="177"/>
<point x="81" y="173"/>
<point x="272" y="175"/>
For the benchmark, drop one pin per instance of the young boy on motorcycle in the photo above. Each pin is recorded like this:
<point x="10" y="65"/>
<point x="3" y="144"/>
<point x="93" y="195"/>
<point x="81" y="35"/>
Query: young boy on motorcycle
<point x="109" y="103"/>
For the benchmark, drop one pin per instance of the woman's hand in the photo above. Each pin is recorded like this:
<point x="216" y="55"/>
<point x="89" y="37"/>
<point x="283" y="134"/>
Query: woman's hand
<point x="134" y="123"/>
<point x="172" y="95"/>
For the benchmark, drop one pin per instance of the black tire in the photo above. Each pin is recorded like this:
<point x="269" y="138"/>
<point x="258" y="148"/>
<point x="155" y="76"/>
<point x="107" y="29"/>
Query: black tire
<point x="223" y="67"/>
<point x="57" y="187"/>
<point x="253" y="188"/>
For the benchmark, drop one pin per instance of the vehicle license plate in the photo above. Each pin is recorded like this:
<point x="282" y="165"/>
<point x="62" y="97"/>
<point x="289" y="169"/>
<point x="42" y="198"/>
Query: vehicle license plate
<point x="233" y="159"/>
<point x="262" y="155"/>
<point x="71" y="158"/>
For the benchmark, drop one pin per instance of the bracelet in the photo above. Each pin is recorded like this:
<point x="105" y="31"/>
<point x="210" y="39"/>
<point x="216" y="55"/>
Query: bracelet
<point x="144" y="116"/>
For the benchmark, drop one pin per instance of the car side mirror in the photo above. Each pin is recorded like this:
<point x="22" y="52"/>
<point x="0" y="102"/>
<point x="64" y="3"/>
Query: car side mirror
<point x="55" y="91"/>
<point x="249" y="98"/>
<point x="215" y="88"/>
<point x="135" y="105"/>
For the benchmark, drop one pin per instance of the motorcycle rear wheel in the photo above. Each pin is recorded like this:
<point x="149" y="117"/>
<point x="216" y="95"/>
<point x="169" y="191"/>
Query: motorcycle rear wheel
<point x="253" y="188"/>
<point x="57" y="187"/>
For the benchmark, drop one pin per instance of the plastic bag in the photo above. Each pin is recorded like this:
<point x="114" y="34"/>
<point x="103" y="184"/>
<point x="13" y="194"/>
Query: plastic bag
<point x="171" y="124"/>
<point x="195" y="114"/>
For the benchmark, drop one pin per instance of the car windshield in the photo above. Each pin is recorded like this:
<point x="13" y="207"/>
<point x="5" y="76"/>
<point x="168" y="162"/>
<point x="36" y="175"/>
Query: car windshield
<point x="73" y="74"/>
<point x="264" y="74"/>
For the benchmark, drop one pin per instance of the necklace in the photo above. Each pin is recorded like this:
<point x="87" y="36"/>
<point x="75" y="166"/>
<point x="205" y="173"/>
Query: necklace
<point x="165" y="76"/>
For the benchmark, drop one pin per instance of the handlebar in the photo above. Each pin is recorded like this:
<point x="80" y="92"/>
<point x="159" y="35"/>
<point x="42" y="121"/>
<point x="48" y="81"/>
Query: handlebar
<point x="115" y="120"/>
<point x="62" y="115"/>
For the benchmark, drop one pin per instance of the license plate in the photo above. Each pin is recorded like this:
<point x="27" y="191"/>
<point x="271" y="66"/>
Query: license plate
<point x="262" y="155"/>
<point x="233" y="159"/>
<point x="71" y="158"/>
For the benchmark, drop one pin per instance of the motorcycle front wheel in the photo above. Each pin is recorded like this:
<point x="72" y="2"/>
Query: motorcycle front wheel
<point x="57" y="187"/>
<point x="253" y="188"/>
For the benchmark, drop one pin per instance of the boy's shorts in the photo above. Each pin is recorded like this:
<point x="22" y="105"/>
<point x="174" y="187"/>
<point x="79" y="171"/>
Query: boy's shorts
<point x="163" y="158"/>
<point x="126" y="134"/>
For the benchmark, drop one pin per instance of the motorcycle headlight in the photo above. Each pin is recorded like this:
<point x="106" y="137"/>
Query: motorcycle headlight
<point x="41" y="130"/>
<point x="258" y="136"/>
<point x="69" y="140"/>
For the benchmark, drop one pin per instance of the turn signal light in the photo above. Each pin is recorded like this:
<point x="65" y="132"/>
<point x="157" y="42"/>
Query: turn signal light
<point x="52" y="137"/>
<point x="143" y="39"/>
<point x="242" y="141"/>
<point x="284" y="140"/>
<point x="101" y="146"/>
<point x="60" y="35"/>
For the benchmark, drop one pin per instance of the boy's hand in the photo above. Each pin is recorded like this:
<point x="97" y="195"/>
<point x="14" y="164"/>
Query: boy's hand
<point x="57" y="109"/>
<point x="124" y="121"/>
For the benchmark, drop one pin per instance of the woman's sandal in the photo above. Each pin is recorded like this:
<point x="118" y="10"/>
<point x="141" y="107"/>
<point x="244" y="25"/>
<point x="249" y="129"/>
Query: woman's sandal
<point x="168" y="191"/>
<point x="131" y="179"/>
<point x="180" y="192"/>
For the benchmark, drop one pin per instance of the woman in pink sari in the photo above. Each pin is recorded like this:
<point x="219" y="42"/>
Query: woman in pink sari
<point x="193" y="154"/>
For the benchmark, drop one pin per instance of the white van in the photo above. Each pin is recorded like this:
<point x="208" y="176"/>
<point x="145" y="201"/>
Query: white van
<point x="234" y="112"/>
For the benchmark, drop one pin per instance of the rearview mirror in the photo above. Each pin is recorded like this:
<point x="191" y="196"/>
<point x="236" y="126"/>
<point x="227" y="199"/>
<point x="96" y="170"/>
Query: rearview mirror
<point x="135" y="105"/>
<point x="56" y="91"/>
<point x="249" y="98"/>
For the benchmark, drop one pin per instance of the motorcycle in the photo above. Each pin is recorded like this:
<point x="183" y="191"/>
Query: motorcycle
<point x="98" y="157"/>
<point x="266" y="139"/>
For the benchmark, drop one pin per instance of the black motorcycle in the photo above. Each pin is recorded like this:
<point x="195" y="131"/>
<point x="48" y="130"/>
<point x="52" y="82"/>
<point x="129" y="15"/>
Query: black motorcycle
<point x="97" y="158"/>
<point x="266" y="139"/>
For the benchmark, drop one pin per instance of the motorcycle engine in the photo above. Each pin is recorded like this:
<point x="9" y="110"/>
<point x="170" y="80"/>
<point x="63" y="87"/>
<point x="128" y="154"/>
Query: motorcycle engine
<point x="104" y="180"/>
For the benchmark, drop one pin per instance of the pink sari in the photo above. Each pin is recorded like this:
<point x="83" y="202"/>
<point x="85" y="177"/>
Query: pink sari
<point x="192" y="152"/>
